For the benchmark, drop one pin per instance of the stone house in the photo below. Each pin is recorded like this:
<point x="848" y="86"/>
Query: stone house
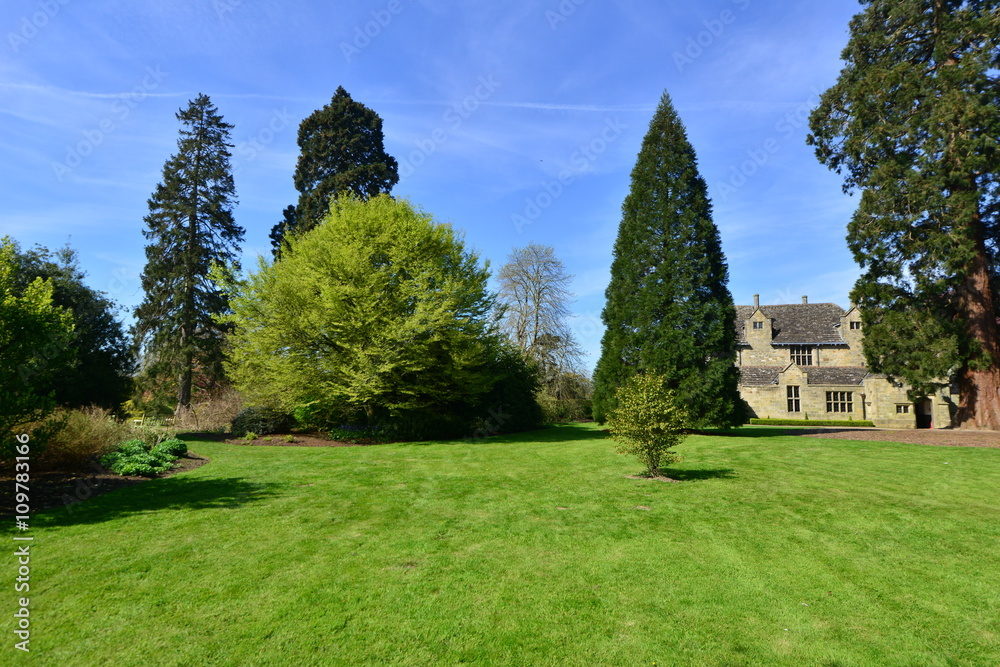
<point x="805" y="360"/>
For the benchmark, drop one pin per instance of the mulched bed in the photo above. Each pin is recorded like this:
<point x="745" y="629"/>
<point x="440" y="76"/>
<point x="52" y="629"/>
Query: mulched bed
<point x="60" y="488"/>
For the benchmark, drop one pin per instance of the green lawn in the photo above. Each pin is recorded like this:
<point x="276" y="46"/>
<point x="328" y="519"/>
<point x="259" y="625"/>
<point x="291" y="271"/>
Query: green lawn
<point x="532" y="550"/>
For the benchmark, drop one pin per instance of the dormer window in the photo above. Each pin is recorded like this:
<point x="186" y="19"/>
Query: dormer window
<point x="758" y="325"/>
<point x="855" y="326"/>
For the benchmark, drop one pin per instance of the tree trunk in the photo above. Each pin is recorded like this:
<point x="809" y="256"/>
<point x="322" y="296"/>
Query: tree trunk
<point x="979" y="390"/>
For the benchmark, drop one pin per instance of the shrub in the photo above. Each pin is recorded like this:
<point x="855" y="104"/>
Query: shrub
<point x="172" y="447"/>
<point x="70" y="439"/>
<point x="261" y="421"/>
<point x="135" y="457"/>
<point x="556" y="411"/>
<point x="215" y="412"/>
<point x="647" y="421"/>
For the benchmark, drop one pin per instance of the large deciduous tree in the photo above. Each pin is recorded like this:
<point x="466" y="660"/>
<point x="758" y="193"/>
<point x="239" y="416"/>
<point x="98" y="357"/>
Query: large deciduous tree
<point x="190" y="227"/>
<point x="379" y="315"/>
<point x="669" y="310"/>
<point x="100" y="372"/>
<point x="35" y="339"/>
<point x="534" y="296"/>
<point x="913" y="122"/>
<point x="342" y="151"/>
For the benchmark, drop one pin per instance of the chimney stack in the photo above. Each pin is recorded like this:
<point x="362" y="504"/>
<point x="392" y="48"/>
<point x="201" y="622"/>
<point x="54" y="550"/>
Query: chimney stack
<point x="805" y="299"/>
<point x="756" y="300"/>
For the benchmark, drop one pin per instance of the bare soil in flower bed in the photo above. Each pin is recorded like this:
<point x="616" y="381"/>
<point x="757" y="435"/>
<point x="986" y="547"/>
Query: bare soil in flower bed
<point x="61" y="488"/>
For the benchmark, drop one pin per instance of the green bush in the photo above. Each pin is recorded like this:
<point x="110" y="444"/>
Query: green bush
<point x="813" y="422"/>
<point x="134" y="457"/>
<point x="556" y="411"/>
<point x="262" y="421"/>
<point x="647" y="421"/>
<point x="172" y="447"/>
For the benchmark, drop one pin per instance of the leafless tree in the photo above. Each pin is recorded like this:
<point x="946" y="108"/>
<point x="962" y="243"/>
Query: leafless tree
<point x="534" y="298"/>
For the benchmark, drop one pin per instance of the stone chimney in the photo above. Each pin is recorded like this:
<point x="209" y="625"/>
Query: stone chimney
<point x="805" y="299"/>
<point x="756" y="301"/>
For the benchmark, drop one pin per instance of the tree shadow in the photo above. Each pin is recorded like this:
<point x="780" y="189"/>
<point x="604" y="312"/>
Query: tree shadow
<point x="556" y="433"/>
<point x="173" y="493"/>
<point x="698" y="475"/>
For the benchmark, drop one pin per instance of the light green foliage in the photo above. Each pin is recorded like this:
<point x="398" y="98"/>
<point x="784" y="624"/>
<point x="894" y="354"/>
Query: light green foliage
<point x="35" y="338"/>
<point x="377" y="312"/>
<point x="647" y="421"/>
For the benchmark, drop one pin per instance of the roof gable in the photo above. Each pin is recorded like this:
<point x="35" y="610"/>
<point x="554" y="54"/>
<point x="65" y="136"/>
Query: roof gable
<point x="797" y="324"/>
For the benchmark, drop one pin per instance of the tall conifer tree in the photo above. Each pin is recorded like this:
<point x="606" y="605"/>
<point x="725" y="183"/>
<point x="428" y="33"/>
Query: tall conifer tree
<point x="190" y="226"/>
<point x="913" y="122"/>
<point x="669" y="310"/>
<point x="342" y="152"/>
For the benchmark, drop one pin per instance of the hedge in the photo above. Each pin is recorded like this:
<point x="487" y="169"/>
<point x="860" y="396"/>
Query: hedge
<point x="812" y="422"/>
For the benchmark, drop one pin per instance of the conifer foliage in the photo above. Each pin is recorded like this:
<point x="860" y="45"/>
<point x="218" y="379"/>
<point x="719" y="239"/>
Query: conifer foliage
<point x="189" y="227"/>
<point x="669" y="310"/>
<point x="912" y="122"/>
<point x="342" y="152"/>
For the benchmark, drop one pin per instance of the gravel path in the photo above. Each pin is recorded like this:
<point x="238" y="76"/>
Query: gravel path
<point x="938" y="437"/>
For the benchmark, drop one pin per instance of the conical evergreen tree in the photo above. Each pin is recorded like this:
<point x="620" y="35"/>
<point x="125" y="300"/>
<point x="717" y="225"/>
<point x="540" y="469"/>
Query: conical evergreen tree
<point x="342" y="152"/>
<point x="669" y="310"/>
<point x="190" y="226"/>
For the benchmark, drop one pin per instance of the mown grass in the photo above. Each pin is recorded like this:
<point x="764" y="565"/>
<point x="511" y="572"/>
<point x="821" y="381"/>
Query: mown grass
<point x="533" y="550"/>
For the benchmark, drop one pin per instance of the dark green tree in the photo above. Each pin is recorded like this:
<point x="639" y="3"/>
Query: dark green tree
<point x="913" y="122"/>
<point x="190" y="227"/>
<point x="100" y="371"/>
<point x="342" y="151"/>
<point x="669" y="310"/>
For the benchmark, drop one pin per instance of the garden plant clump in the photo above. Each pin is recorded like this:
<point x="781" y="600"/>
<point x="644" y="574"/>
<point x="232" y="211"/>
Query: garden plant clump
<point x="647" y="422"/>
<point x="135" y="457"/>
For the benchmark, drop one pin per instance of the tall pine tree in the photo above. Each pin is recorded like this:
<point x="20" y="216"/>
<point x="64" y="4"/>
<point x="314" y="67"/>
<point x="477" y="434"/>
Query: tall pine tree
<point x="669" y="310"/>
<point x="190" y="227"/>
<point x="342" y="151"/>
<point x="913" y="122"/>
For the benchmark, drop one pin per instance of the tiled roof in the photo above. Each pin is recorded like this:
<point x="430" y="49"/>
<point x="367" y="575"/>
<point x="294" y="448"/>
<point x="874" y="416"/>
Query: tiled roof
<point x="797" y="324"/>
<point x="835" y="375"/>
<point x="759" y="376"/>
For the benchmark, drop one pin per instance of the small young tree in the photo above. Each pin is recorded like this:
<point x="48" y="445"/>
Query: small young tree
<point x="647" y="421"/>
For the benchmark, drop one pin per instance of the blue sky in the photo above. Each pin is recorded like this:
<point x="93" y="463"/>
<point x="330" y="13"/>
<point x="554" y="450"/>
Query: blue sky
<point x="484" y="105"/>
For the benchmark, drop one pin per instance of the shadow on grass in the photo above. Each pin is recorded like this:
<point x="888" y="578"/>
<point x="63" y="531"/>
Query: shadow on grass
<point x="173" y="493"/>
<point x="698" y="475"/>
<point x="556" y="433"/>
